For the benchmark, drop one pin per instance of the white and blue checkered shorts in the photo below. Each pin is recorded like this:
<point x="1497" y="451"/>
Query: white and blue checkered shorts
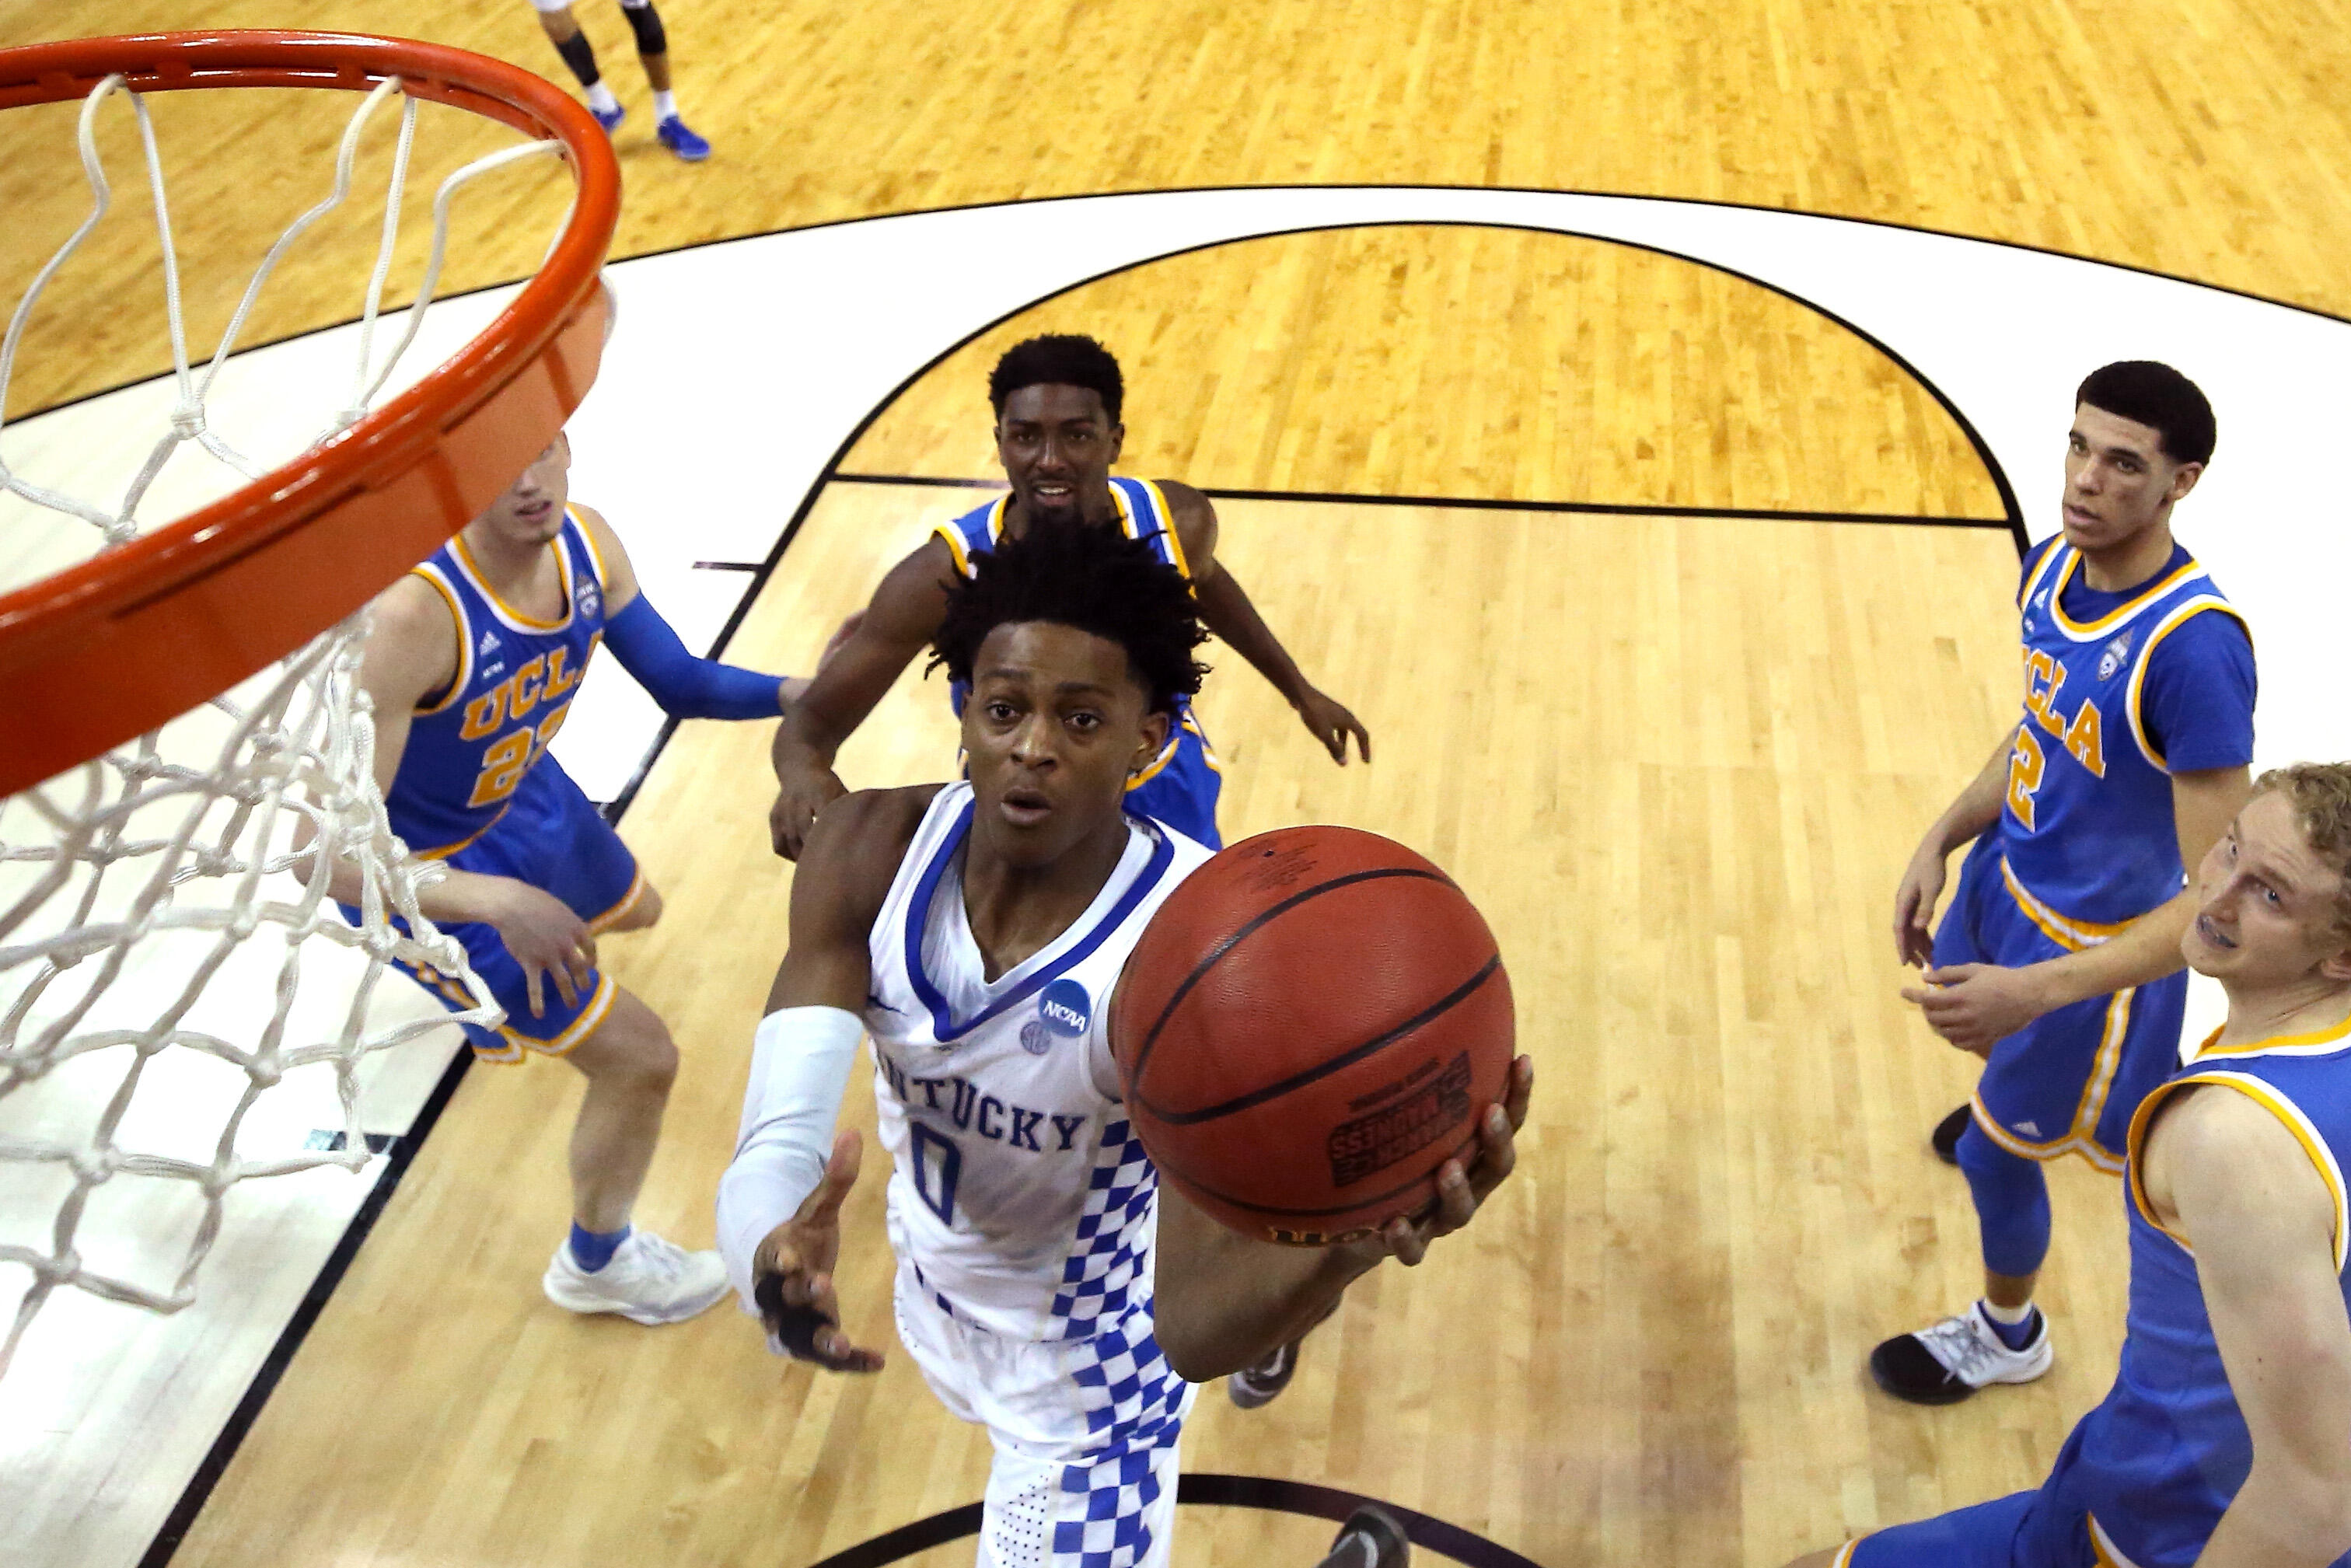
<point x="1085" y="1432"/>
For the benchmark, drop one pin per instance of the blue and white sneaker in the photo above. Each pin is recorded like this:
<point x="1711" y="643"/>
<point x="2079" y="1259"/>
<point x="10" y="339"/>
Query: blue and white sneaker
<point x="675" y="136"/>
<point x="611" y="123"/>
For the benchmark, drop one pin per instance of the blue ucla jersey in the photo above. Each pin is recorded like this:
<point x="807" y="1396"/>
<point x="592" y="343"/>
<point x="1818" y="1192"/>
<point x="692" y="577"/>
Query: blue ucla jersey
<point x="2162" y="1458"/>
<point x="470" y="745"/>
<point x="2086" y="827"/>
<point x="1143" y="514"/>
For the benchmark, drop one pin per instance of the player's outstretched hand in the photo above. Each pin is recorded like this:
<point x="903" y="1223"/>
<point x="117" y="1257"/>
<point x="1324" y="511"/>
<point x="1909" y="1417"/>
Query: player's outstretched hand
<point x="798" y="801"/>
<point x="1459" y="1192"/>
<point x="1914" y="907"/>
<point x="793" y="1273"/>
<point x="546" y="939"/>
<point x="1331" y="724"/>
<point x="1977" y="1006"/>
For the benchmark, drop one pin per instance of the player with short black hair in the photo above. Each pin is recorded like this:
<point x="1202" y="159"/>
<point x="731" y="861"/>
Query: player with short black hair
<point x="2058" y="960"/>
<point x="1059" y="359"/>
<point x="2151" y="394"/>
<point x="1058" y="400"/>
<point x="1124" y="594"/>
<point x="1048" y="1287"/>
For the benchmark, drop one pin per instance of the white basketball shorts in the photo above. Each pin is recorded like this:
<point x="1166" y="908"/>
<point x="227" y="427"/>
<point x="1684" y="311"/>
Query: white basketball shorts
<point x="1085" y="1432"/>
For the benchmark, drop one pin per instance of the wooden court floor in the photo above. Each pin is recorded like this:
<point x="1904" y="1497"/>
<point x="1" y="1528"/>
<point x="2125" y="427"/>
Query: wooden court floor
<point x="1679" y="761"/>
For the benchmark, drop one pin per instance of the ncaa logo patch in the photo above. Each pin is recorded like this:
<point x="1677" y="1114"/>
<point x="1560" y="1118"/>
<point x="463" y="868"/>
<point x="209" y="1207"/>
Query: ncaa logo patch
<point x="1063" y="1009"/>
<point x="589" y="599"/>
<point x="2112" y="659"/>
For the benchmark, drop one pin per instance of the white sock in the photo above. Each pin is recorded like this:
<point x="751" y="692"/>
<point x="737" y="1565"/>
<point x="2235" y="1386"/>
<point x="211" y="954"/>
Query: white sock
<point x="2011" y="1316"/>
<point x="601" y="99"/>
<point x="664" y="106"/>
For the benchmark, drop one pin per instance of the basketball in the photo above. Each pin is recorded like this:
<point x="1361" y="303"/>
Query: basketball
<point x="1312" y="1025"/>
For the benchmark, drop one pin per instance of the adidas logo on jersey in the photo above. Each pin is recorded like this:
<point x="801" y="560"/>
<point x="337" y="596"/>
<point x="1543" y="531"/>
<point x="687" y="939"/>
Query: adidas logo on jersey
<point x="490" y="643"/>
<point x="2029" y="1129"/>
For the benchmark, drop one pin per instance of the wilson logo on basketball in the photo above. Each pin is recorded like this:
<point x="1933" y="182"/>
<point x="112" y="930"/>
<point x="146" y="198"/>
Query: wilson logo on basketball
<point x="1375" y="1142"/>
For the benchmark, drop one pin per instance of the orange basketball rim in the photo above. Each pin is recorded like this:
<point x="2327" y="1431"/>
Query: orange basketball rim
<point x="113" y="647"/>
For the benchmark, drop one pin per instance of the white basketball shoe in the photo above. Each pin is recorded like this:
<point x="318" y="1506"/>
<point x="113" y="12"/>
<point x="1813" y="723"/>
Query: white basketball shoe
<point x="649" y="1280"/>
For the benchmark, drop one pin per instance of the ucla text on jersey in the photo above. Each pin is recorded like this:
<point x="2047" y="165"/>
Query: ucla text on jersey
<point x="2086" y="823"/>
<point x="472" y="743"/>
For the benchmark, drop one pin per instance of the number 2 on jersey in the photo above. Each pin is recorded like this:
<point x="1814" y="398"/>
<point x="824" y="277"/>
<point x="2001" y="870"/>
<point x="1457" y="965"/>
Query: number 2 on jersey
<point x="2025" y="763"/>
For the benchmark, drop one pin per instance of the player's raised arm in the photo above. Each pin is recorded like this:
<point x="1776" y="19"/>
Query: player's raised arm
<point x="649" y="648"/>
<point x="905" y="612"/>
<point x="1226" y="1301"/>
<point x="2261" y="1220"/>
<point x="1226" y="610"/>
<point x="780" y="1200"/>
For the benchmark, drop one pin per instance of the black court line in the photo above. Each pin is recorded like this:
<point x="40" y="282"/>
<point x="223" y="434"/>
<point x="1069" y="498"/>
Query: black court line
<point x="726" y="566"/>
<point x="199" y="1488"/>
<point x="1858" y="222"/>
<point x="281" y="1355"/>
<point x="1210" y="1490"/>
<point x="1482" y="503"/>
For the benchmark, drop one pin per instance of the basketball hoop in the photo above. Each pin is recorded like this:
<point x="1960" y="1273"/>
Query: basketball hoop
<point x="250" y="607"/>
<point x="107" y="649"/>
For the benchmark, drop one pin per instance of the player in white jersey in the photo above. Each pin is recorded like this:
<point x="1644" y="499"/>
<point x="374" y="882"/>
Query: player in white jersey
<point x="977" y="931"/>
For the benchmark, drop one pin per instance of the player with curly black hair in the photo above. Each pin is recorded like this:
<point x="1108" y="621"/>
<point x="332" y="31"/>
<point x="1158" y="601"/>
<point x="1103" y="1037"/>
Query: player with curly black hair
<point x="1116" y="588"/>
<point x="1047" y="1286"/>
<point x="1058" y="400"/>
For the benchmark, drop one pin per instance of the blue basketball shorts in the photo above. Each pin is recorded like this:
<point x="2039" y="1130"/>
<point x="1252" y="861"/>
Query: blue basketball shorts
<point x="555" y="839"/>
<point x="2048" y="1527"/>
<point x="1180" y="788"/>
<point x="2068" y="1081"/>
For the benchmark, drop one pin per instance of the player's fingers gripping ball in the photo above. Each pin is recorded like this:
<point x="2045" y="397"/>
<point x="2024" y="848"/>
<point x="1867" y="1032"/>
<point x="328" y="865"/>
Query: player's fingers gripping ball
<point x="1312" y="1025"/>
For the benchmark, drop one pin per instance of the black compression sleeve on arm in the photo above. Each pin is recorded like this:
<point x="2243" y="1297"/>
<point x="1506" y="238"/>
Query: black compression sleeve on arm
<point x="645" y="22"/>
<point x="578" y="53"/>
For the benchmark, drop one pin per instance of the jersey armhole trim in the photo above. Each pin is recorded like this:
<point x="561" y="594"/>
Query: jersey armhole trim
<point x="464" y="676"/>
<point x="2270" y="1098"/>
<point x="2180" y="616"/>
<point x="954" y="536"/>
<point x="595" y="553"/>
<point x="2039" y="574"/>
<point x="1168" y="526"/>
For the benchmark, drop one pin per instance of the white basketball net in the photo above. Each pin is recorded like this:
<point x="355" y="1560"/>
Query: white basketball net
<point x="158" y="903"/>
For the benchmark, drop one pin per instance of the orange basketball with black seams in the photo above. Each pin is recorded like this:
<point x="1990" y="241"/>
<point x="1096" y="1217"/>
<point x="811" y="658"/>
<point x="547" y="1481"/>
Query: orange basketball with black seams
<point x="1312" y="1025"/>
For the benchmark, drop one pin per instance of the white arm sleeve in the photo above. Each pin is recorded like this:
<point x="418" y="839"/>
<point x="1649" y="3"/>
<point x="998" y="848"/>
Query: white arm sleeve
<point x="800" y="1060"/>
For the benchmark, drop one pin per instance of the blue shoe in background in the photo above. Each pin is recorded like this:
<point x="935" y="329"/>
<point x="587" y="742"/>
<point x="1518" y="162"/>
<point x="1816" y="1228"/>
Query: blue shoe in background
<point x="675" y="136"/>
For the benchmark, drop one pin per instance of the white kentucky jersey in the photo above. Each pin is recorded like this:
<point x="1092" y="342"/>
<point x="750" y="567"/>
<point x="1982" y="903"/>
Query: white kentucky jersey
<point x="1019" y="1193"/>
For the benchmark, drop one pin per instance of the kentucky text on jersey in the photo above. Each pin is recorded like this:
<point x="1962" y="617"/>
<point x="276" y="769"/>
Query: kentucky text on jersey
<point x="2086" y="828"/>
<point x="470" y="744"/>
<point x="971" y="1108"/>
<point x="1018" y="1188"/>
